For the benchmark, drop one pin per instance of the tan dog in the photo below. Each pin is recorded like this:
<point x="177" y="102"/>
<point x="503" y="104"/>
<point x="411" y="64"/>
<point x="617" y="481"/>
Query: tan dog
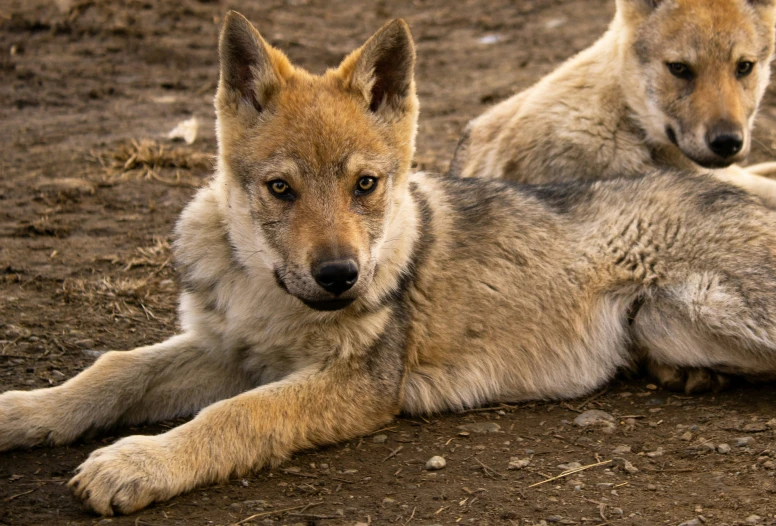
<point x="326" y="288"/>
<point x="672" y="84"/>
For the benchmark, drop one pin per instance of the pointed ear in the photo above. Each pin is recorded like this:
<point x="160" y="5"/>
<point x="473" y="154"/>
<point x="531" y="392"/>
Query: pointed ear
<point x="383" y="70"/>
<point x="252" y="71"/>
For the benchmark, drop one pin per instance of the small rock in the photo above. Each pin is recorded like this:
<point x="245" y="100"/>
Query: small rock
<point x="435" y="463"/>
<point x="771" y="423"/>
<point x="621" y="450"/>
<point x="570" y="465"/>
<point x="380" y="439"/>
<point x="593" y="417"/>
<point x="350" y="472"/>
<point x="769" y="464"/>
<point x="630" y="468"/>
<point x="481" y="427"/>
<point x="723" y="449"/>
<point x="757" y="427"/>
<point x="753" y="519"/>
<point x="255" y="503"/>
<point x="554" y="518"/>
<point x="656" y="453"/>
<point x="89" y="353"/>
<point x="744" y="441"/>
<point x="605" y="485"/>
<point x="651" y="387"/>
<point x="387" y="501"/>
<point x="693" y="522"/>
<point x="518" y="463"/>
<point x="687" y="436"/>
<point x="651" y="487"/>
<point x="617" y="511"/>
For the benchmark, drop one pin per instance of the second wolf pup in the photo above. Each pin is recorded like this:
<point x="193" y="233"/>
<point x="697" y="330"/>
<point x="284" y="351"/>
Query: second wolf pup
<point x="672" y="84"/>
<point x="326" y="288"/>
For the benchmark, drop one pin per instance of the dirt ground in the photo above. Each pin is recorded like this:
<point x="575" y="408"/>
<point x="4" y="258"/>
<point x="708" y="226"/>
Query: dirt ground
<point x="89" y="193"/>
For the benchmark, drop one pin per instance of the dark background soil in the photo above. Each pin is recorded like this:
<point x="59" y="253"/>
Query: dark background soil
<point x="84" y="259"/>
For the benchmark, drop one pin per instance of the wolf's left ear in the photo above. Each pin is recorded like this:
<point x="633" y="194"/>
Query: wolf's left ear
<point x="383" y="69"/>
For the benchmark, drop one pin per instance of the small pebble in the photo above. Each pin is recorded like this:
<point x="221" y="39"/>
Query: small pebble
<point x="693" y="522"/>
<point x="754" y="519"/>
<point x="570" y="465"/>
<point x="651" y="487"/>
<point x="435" y="463"/>
<point x="656" y="453"/>
<point x="380" y="439"/>
<point x="769" y="464"/>
<point x="686" y="436"/>
<point x="621" y="450"/>
<point x="518" y="463"/>
<point x="757" y="427"/>
<point x="481" y="427"/>
<point x="388" y="501"/>
<point x="593" y="417"/>
<point x="744" y="441"/>
<point x="651" y="387"/>
<point x="723" y="449"/>
<point x="630" y="468"/>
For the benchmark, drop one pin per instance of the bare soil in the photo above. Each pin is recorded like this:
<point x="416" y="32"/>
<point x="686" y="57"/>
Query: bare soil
<point x="91" y="188"/>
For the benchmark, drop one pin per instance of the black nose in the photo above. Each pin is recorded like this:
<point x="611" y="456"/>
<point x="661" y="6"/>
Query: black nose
<point x="336" y="276"/>
<point x="726" y="143"/>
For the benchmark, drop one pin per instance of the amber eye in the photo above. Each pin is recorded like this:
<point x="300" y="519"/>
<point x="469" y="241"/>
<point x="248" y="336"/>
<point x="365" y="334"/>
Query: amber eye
<point x="366" y="185"/>
<point x="281" y="190"/>
<point x="744" y="68"/>
<point x="680" y="70"/>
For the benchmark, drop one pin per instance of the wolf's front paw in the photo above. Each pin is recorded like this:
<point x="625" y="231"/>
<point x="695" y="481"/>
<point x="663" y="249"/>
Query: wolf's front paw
<point x="127" y="476"/>
<point x="26" y="421"/>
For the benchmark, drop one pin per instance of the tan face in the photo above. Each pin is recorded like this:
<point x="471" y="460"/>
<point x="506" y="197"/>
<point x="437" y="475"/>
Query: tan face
<point x="704" y="67"/>
<point x="318" y="162"/>
<point x="320" y="180"/>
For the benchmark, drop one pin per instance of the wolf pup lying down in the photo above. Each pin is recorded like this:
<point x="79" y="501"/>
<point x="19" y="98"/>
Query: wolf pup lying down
<point x="326" y="288"/>
<point x="672" y="84"/>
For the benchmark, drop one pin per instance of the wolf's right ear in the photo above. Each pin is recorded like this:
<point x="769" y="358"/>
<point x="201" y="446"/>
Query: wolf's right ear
<point x="252" y="71"/>
<point x="383" y="70"/>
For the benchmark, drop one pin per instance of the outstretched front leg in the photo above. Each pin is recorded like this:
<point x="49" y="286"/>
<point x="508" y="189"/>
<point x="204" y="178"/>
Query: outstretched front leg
<point x="319" y="405"/>
<point x="170" y="379"/>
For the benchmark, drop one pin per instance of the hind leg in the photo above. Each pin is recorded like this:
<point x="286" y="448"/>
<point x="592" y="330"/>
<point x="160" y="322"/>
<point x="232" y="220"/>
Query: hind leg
<point x="707" y="325"/>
